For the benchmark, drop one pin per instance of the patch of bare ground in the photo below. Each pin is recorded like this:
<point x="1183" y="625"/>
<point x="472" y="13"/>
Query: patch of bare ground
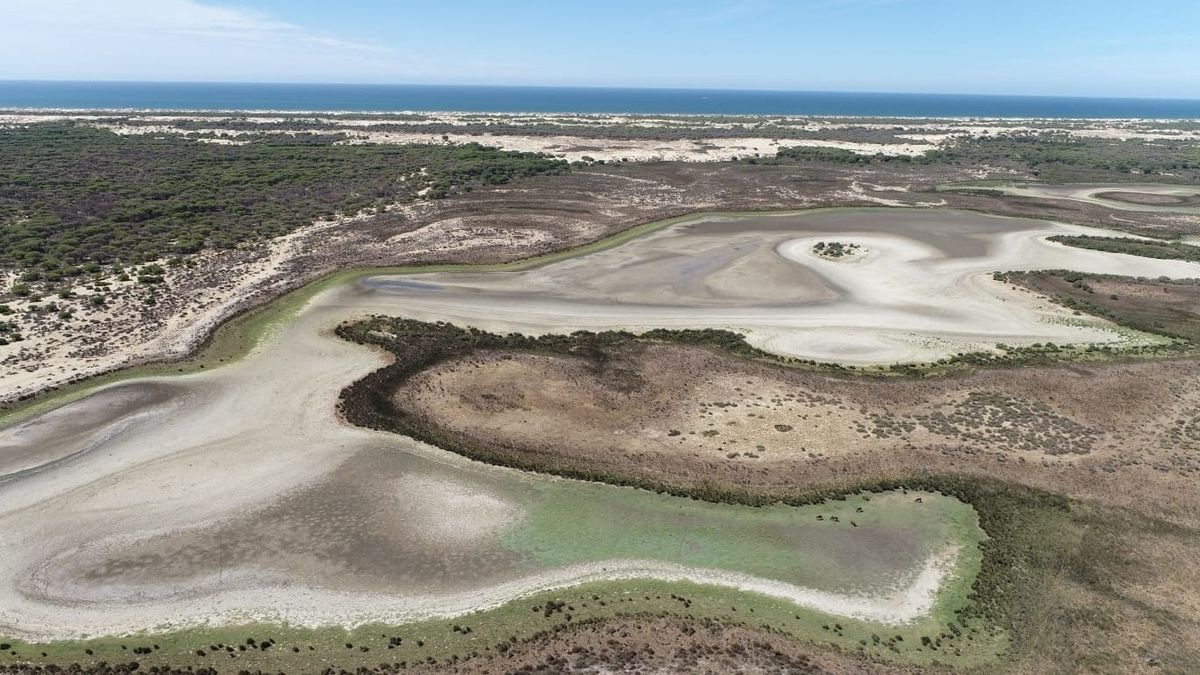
<point x="491" y="224"/>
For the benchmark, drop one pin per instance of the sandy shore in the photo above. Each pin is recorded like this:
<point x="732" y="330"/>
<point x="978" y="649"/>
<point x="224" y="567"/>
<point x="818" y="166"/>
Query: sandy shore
<point x="284" y="603"/>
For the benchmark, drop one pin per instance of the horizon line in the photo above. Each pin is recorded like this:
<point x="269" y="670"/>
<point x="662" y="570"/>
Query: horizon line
<point x="601" y="88"/>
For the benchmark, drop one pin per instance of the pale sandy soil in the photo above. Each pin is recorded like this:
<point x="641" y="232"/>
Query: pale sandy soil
<point x="1109" y="128"/>
<point x="577" y="148"/>
<point x="198" y="298"/>
<point x="235" y="598"/>
<point x="60" y="356"/>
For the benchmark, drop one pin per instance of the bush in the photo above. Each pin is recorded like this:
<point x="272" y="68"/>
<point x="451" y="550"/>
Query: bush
<point x="74" y="195"/>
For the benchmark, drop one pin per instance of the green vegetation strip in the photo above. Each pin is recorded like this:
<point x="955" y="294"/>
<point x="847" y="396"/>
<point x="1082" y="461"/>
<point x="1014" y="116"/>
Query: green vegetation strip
<point x="1146" y="248"/>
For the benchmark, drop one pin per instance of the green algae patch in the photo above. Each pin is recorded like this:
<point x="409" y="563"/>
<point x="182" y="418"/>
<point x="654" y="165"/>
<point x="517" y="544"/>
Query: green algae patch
<point x="851" y="546"/>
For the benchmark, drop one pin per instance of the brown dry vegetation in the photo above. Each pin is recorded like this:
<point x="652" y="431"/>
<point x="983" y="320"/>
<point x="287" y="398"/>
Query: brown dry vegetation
<point x="687" y="416"/>
<point x="1150" y="199"/>
<point x="666" y="645"/>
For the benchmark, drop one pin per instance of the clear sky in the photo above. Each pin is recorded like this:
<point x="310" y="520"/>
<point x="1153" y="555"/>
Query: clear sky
<point x="1057" y="47"/>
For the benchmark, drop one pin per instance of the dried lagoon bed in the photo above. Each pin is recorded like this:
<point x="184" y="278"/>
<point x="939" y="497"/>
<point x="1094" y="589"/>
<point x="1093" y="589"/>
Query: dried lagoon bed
<point x="87" y="535"/>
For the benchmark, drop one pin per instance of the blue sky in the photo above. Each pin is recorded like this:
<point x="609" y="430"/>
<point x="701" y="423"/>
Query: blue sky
<point x="1056" y="47"/>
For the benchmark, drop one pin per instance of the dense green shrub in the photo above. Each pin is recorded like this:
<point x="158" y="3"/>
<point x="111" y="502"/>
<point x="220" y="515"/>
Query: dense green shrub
<point x="1147" y="248"/>
<point x="73" y="194"/>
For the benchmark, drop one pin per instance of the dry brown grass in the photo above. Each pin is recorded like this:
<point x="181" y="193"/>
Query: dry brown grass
<point x="686" y="416"/>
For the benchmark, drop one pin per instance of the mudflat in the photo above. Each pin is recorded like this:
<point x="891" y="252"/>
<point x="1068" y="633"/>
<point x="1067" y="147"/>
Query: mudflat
<point x="256" y="499"/>
<point x="917" y="290"/>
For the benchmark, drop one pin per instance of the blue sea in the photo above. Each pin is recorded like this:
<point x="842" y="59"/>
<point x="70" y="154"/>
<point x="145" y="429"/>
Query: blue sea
<point x="392" y="98"/>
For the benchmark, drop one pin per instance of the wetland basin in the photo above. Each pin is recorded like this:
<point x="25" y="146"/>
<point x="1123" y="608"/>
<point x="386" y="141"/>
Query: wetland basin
<point x="919" y="290"/>
<point x="236" y="494"/>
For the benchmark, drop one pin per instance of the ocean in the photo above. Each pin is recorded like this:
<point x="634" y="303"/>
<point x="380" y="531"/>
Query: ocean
<point x="394" y="98"/>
